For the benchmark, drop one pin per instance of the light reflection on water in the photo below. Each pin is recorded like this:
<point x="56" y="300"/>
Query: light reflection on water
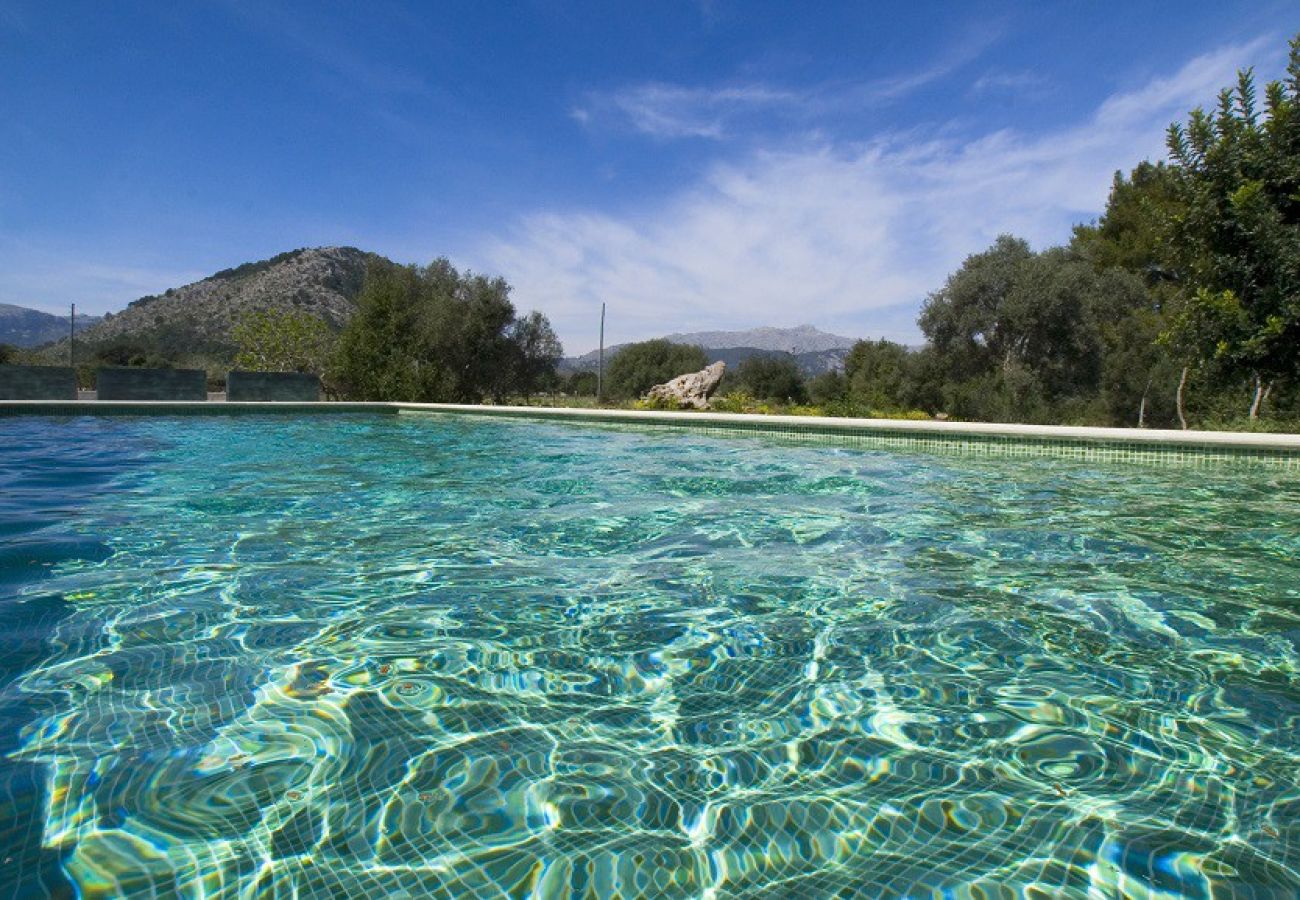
<point x="354" y="656"/>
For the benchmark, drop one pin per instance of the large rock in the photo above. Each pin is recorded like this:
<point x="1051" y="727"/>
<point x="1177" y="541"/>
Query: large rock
<point x="690" y="391"/>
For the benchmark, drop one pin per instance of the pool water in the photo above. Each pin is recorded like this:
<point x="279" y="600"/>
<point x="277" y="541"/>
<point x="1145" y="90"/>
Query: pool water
<point x="437" y="656"/>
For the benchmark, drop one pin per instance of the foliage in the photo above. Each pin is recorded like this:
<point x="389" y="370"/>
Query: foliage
<point x="580" y="384"/>
<point x="272" y="340"/>
<point x="772" y="378"/>
<point x="638" y="367"/>
<point x="828" y="387"/>
<point x="1236" y="234"/>
<point x="8" y="354"/>
<point x="876" y="374"/>
<point x="537" y="351"/>
<point x="433" y="334"/>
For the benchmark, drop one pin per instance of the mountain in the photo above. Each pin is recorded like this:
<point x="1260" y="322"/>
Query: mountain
<point x="324" y="282"/>
<point x="23" y="327"/>
<point x="815" y="351"/>
<point x="800" y="339"/>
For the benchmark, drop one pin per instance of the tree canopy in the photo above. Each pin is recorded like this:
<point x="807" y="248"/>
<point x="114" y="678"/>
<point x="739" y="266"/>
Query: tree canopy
<point x="770" y="377"/>
<point x="1235" y="233"/>
<point x="430" y="333"/>
<point x="271" y="340"/>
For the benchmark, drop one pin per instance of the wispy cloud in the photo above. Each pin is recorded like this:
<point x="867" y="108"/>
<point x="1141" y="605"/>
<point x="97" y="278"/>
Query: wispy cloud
<point x="669" y="111"/>
<point x="1021" y="83"/>
<point x="849" y="236"/>
<point x="673" y="111"/>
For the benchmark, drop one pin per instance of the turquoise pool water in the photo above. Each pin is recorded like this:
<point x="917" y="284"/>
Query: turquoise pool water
<point x="422" y="656"/>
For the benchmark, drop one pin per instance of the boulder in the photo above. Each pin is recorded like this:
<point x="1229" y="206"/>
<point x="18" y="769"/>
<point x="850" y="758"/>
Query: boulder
<point x="690" y="391"/>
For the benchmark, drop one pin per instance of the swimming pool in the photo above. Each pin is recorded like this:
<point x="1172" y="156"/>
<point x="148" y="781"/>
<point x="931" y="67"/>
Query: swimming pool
<point x="383" y="655"/>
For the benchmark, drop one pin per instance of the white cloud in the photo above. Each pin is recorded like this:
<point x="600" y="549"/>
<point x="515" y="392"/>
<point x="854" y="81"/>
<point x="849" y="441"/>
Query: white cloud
<point x="848" y="237"/>
<point x="673" y="111"/>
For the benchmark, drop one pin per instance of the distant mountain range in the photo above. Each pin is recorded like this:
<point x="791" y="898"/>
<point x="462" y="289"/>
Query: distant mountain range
<point x="23" y="327"/>
<point x="815" y="351"/>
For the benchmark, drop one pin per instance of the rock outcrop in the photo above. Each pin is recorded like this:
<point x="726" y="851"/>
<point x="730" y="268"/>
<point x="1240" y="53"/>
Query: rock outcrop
<point x="689" y="391"/>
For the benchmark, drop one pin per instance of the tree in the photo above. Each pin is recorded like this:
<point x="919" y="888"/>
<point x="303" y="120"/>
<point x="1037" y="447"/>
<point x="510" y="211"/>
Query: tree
<point x="1236" y="235"/>
<point x="876" y="374"/>
<point x="1139" y="373"/>
<point x="580" y="384"/>
<point x="1133" y="232"/>
<point x="638" y="367"/>
<point x="378" y="353"/>
<point x="428" y="334"/>
<point x="8" y="354"/>
<point x="272" y="340"/>
<point x="1017" y="333"/>
<point x="828" y="388"/>
<point x="537" y="352"/>
<point x="964" y="320"/>
<point x="770" y="377"/>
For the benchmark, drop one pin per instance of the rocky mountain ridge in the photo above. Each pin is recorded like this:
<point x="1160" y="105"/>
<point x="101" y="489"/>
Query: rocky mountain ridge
<point x="323" y="281"/>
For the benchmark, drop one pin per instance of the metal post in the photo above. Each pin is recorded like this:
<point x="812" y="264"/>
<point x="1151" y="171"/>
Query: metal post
<point x="72" y="337"/>
<point x="600" y="358"/>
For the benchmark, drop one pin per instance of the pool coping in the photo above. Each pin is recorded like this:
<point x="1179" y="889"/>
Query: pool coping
<point x="1284" y="442"/>
<point x="929" y="427"/>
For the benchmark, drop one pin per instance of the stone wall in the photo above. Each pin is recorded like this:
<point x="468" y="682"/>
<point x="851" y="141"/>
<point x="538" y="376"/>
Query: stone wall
<point x="38" y="383"/>
<point x="273" y="387"/>
<point x="152" y="384"/>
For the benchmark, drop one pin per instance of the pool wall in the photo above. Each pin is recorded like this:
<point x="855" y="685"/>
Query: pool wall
<point x="1196" y="449"/>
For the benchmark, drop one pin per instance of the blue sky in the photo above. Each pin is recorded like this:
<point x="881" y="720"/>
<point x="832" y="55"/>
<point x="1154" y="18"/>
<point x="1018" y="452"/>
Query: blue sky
<point x="695" y="165"/>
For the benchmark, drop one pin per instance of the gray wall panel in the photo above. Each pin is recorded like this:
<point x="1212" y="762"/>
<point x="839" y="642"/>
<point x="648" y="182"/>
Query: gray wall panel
<point x="272" y="387"/>
<point x="152" y="384"/>
<point x="38" y="383"/>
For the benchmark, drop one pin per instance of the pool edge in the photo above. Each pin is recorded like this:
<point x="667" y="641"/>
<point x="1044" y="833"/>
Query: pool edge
<point x="1197" y="448"/>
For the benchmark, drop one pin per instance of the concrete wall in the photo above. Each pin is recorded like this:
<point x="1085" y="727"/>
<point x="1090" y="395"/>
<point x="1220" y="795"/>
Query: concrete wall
<point x="274" y="387"/>
<point x="38" y="383"/>
<point x="152" y="384"/>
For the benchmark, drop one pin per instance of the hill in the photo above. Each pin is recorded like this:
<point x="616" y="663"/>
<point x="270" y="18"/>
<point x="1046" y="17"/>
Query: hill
<point x="23" y="327"/>
<point x="197" y="319"/>
<point x="815" y="351"/>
